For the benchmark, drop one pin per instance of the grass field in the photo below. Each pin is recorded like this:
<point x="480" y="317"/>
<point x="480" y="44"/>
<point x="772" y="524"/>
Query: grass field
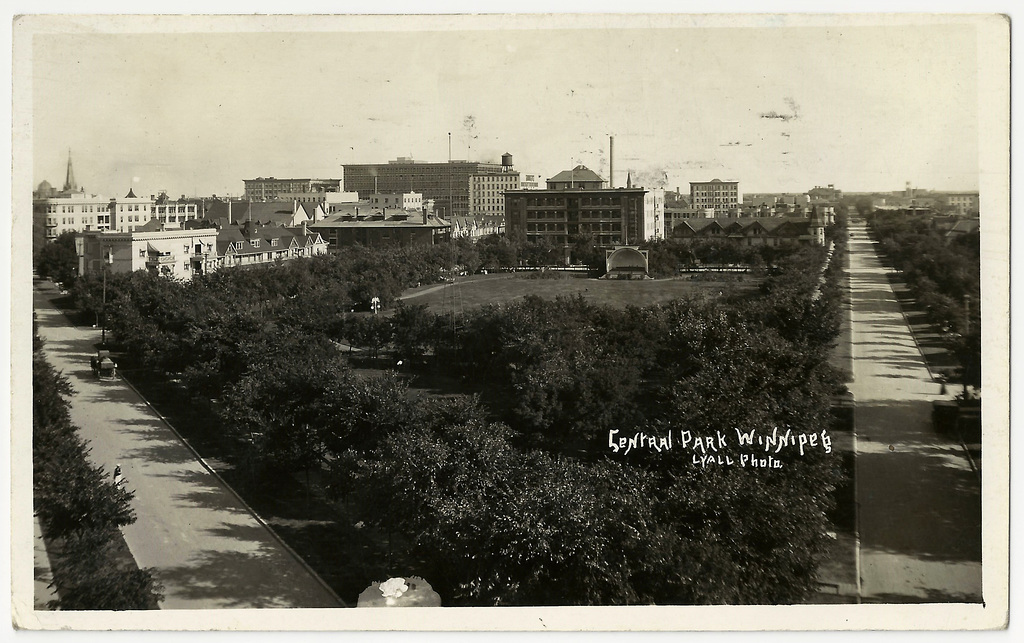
<point x="478" y="290"/>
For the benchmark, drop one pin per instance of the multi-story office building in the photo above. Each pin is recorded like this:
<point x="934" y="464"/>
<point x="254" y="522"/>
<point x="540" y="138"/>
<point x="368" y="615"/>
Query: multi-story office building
<point x="447" y="184"/>
<point x="69" y="209"/>
<point x="74" y="212"/>
<point x="132" y="212"/>
<point x="73" y="209"/>
<point x="81" y="212"/>
<point x="487" y="192"/>
<point x="722" y="196"/>
<point x="963" y="202"/>
<point x="270" y="188"/>
<point x="572" y="206"/>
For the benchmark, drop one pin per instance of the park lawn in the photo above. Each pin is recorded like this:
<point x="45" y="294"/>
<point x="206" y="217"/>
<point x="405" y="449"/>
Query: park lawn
<point x="481" y="290"/>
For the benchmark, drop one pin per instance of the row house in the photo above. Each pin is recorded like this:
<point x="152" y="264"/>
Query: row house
<point x="476" y="227"/>
<point x="182" y="253"/>
<point x="771" y="231"/>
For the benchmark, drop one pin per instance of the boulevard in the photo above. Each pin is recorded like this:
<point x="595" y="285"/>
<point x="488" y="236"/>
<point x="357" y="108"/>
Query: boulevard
<point x="201" y="542"/>
<point x="919" y="500"/>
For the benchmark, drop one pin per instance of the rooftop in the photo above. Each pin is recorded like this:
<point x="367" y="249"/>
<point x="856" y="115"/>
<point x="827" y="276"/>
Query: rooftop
<point x="579" y="173"/>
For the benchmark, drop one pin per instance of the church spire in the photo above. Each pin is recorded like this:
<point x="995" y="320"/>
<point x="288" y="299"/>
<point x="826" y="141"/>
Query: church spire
<point x="69" y="181"/>
<point x="629" y="180"/>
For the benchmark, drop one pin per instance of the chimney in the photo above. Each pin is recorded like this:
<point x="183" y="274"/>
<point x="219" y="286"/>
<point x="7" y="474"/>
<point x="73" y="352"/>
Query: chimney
<point x="229" y="210"/>
<point x="611" y="161"/>
<point x="424" y="215"/>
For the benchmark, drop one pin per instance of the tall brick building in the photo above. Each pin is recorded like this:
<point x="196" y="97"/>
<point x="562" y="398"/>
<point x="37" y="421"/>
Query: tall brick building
<point x="270" y="188"/>
<point x="435" y="181"/>
<point x="574" y="204"/>
<point x="721" y="196"/>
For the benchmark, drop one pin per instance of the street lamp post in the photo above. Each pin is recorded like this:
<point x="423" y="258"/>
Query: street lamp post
<point x="107" y="259"/>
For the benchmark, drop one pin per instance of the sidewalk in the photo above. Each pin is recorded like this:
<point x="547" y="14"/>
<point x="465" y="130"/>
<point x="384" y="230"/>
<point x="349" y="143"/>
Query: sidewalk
<point x="919" y="501"/>
<point x="202" y="544"/>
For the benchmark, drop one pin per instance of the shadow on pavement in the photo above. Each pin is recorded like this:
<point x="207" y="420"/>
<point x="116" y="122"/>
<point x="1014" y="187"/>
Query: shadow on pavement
<point x="927" y="501"/>
<point x="220" y="579"/>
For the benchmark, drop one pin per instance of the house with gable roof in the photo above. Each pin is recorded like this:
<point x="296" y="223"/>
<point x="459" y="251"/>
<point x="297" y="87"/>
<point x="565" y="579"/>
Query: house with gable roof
<point x="251" y="244"/>
<point x="751" y="231"/>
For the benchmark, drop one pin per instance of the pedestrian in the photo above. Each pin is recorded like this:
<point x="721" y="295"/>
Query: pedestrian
<point x="117" y="476"/>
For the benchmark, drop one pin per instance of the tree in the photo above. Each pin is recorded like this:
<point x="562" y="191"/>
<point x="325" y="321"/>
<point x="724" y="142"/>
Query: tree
<point x="58" y="260"/>
<point x="539" y="253"/>
<point x="584" y="251"/>
<point x="968" y="353"/>
<point x="412" y="330"/>
<point x="285" y="401"/>
<point x="467" y="255"/>
<point x="497" y="526"/>
<point x="371" y="331"/>
<point x="89" y="576"/>
<point x="70" y="496"/>
<point x="864" y="205"/>
<point x="497" y="252"/>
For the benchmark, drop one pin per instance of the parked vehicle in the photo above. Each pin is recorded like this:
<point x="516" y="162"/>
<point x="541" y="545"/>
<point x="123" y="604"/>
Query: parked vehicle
<point x="103" y="366"/>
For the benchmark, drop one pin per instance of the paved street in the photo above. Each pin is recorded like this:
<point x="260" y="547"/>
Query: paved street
<point x="920" y="502"/>
<point x="205" y="547"/>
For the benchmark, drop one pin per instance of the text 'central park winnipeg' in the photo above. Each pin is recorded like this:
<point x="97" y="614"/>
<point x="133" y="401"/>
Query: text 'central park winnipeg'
<point x="717" y="448"/>
<point x="453" y="383"/>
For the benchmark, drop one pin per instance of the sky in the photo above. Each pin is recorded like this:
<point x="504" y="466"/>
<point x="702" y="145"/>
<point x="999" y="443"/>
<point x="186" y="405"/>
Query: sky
<point x="196" y="107"/>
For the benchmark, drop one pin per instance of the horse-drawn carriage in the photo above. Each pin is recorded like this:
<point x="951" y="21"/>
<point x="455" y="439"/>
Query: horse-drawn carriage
<point x="103" y="366"/>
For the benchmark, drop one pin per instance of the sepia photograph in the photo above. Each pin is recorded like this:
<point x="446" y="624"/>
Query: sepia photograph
<point x="624" y="321"/>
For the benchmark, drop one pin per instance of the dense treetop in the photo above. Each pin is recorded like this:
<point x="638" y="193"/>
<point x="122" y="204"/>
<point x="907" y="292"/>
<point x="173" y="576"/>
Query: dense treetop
<point x="508" y="493"/>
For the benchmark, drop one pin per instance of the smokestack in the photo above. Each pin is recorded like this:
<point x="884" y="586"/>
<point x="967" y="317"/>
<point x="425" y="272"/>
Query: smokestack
<point x="611" y="161"/>
<point x="229" y="210"/>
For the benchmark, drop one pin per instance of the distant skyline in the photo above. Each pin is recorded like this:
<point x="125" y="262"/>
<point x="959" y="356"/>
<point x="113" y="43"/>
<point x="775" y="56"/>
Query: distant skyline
<point x="778" y="108"/>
